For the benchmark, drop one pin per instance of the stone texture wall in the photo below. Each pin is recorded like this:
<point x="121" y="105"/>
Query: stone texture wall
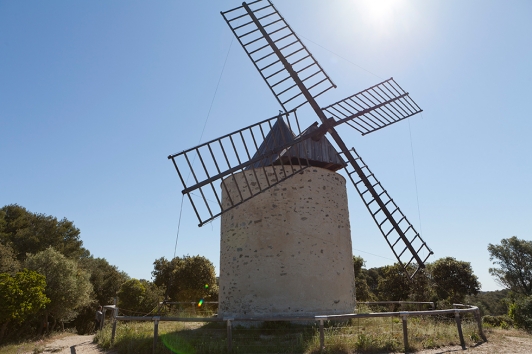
<point x="288" y="250"/>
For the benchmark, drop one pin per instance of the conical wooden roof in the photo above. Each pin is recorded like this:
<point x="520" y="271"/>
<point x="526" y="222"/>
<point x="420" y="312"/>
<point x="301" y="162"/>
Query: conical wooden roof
<point x="318" y="153"/>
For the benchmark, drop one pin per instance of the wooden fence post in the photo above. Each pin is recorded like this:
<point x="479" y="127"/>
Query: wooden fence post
<point x="103" y="318"/>
<point x="229" y="335"/>
<point x="322" y="337"/>
<point x="155" y="332"/>
<point x="113" y="333"/>
<point x="459" y="326"/>
<point x="479" y="322"/>
<point x="115" y="313"/>
<point x="405" y="331"/>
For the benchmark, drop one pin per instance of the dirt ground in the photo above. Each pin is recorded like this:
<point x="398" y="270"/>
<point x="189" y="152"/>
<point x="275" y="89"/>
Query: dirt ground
<point x="499" y="341"/>
<point x="506" y="345"/>
<point x="503" y="344"/>
<point x="74" y="344"/>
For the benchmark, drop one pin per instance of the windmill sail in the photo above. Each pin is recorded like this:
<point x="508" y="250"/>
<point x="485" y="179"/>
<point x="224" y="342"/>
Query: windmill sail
<point x="405" y="242"/>
<point x="374" y="108"/>
<point x="296" y="78"/>
<point x="204" y="168"/>
<point x="277" y="53"/>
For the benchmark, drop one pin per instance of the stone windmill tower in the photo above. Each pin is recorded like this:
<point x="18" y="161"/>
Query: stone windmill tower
<point x="285" y="234"/>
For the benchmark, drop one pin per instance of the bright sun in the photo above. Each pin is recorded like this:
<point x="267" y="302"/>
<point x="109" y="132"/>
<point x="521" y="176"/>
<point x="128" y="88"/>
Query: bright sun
<point x="380" y="13"/>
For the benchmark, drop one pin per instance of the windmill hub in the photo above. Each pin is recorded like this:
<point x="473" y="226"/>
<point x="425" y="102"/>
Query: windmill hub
<point x="287" y="251"/>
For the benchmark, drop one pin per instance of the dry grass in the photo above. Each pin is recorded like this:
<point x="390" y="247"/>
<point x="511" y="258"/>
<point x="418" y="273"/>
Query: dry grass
<point x="374" y="335"/>
<point x="339" y="339"/>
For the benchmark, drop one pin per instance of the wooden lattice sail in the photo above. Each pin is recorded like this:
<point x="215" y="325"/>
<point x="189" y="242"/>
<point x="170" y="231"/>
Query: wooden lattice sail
<point x="296" y="78"/>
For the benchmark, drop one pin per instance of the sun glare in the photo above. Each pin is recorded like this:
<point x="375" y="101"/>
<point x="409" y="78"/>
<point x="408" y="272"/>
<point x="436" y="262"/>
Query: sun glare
<point x="380" y="14"/>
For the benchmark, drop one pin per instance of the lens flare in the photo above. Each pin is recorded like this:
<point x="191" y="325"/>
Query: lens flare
<point x="200" y="303"/>
<point x="206" y="286"/>
<point x="177" y="343"/>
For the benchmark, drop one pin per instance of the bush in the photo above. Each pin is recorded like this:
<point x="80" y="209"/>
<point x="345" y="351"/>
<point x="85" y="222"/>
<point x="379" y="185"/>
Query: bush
<point x="503" y="321"/>
<point x="521" y="313"/>
<point x="21" y="296"/>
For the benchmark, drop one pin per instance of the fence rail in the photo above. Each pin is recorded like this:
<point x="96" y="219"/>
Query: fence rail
<point x="457" y="310"/>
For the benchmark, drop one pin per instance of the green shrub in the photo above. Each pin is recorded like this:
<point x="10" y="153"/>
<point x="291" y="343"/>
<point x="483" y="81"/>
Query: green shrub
<point x="503" y="321"/>
<point x="521" y="313"/>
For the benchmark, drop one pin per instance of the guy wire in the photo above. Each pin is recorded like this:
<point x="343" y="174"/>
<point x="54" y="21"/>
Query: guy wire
<point x="201" y="137"/>
<point x="415" y="177"/>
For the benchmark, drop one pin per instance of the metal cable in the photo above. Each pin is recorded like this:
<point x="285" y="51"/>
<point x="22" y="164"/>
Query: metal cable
<point x="415" y="178"/>
<point x="201" y="137"/>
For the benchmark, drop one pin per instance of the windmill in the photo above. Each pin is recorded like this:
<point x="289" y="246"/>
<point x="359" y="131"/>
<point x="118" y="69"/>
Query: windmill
<point x="246" y="174"/>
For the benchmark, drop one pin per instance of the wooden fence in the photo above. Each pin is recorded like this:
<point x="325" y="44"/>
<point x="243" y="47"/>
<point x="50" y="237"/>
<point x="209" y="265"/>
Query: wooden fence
<point x="457" y="310"/>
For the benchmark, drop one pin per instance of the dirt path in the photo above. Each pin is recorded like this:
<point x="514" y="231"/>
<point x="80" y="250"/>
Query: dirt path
<point x="505" y="345"/>
<point x="72" y="345"/>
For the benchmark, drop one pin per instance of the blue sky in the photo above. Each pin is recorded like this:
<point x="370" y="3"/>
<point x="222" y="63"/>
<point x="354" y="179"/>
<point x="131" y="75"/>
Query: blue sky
<point x="95" y="95"/>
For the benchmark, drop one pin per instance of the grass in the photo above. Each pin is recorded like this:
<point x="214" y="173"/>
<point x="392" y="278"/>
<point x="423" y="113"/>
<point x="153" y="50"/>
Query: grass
<point x="372" y="335"/>
<point x="339" y="338"/>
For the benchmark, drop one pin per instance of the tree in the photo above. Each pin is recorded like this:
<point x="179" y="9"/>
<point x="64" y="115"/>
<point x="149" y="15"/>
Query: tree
<point x="373" y="277"/>
<point x="521" y="312"/>
<point x="67" y="286"/>
<point x="131" y="295"/>
<point x="139" y="295"/>
<point x="453" y="280"/>
<point x="28" y="232"/>
<point x="394" y="284"/>
<point x="421" y="288"/>
<point x="492" y="303"/>
<point x="21" y="295"/>
<point x="362" y="290"/>
<point x="186" y="279"/>
<point x="105" y="278"/>
<point x="8" y="262"/>
<point x="514" y="257"/>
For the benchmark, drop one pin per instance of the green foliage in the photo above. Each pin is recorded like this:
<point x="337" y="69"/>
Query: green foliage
<point x="446" y="280"/>
<point x="358" y="263"/>
<point x="393" y="284"/>
<point x="67" y="286"/>
<point x="8" y="261"/>
<point x="372" y="278"/>
<point x="521" y="312"/>
<point x="139" y="295"/>
<point x="28" y="232"/>
<point x="514" y="257"/>
<point x="186" y="279"/>
<point x="421" y="286"/>
<point x="105" y="278"/>
<point x="362" y="290"/>
<point x="492" y="303"/>
<point x="503" y="321"/>
<point x="131" y="294"/>
<point x="453" y="280"/>
<point x="21" y="295"/>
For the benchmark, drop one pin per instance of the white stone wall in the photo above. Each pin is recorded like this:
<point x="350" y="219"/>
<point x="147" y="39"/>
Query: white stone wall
<point x="288" y="250"/>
